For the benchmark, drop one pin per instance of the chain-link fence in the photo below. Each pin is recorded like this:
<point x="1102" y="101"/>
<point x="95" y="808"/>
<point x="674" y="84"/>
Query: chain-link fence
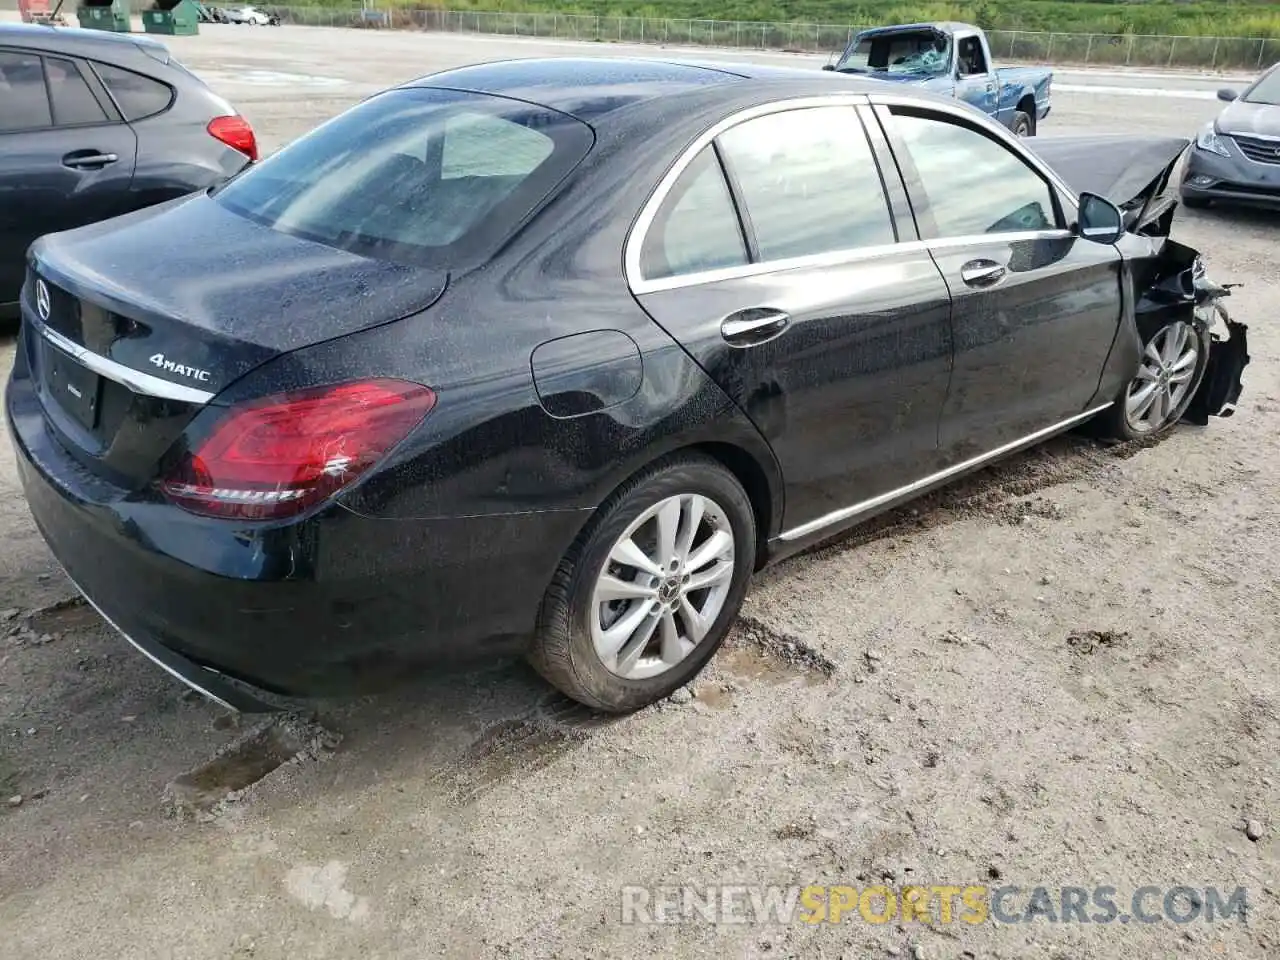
<point x="1213" y="53"/>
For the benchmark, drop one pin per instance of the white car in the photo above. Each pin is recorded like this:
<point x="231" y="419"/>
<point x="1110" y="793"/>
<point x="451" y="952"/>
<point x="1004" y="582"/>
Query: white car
<point x="249" y="15"/>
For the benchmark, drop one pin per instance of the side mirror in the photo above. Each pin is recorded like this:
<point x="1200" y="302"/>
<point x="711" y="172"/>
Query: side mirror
<point x="1227" y="94"/>
<point x="828" y="66"/>
<point x="1100" y="220"/>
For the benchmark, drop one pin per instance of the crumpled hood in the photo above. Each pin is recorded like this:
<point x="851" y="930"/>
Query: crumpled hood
<point x="1250" y="119"/>
<point x="1119" y="167"/>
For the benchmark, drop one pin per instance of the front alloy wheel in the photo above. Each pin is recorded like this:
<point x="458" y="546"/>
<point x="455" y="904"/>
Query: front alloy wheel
<point x="1159" y="394"/>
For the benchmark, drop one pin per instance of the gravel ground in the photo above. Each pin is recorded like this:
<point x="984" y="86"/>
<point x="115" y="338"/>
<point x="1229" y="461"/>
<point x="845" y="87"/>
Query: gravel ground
<point x="1062" y="672"/>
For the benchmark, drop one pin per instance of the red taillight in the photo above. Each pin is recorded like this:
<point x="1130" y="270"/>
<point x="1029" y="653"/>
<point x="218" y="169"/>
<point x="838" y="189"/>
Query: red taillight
<point x="236" y="133"/>
<point x="275" y="457"/>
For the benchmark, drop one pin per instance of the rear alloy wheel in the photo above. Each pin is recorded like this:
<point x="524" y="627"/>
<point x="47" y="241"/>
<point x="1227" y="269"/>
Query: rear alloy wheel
<point x="1022" y="125"/>
<point x="649" y="593"/>
<point x="1169" y="373"/>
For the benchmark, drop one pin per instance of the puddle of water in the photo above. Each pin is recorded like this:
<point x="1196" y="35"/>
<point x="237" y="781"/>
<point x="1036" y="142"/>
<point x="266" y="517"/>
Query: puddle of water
<point x="507" y="751"/>
<point x="271" y="78"/>
<point x="67" y="619"/>
<point x="752" y="663"/>
<point x="713" y="695"/>
<point x="242" y="764"/>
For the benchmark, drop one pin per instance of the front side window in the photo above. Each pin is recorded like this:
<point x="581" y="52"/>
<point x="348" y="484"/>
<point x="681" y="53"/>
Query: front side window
<point x="974" y="184"/>
<point x="809" y="182"/>
<point x="696" y="228"/>
<point x="415" y="175"/>
<point x="24" y="100"/>
<point x="971" y="59"/>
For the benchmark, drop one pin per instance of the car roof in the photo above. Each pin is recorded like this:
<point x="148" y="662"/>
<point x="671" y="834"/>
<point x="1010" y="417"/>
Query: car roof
<point x="78" y="41"/>
<point x="591" y="88"/>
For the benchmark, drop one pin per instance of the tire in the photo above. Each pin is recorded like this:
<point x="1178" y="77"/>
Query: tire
<point x="1023" y="126"/>
<point x="1119" y="422"/>
<point x="662" y="651"/>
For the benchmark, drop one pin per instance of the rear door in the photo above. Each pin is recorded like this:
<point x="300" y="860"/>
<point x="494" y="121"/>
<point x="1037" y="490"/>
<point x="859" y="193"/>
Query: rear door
<point x="1035" y="308"/>
<point x="66" y="157"/>
<point x="789" y="269"/>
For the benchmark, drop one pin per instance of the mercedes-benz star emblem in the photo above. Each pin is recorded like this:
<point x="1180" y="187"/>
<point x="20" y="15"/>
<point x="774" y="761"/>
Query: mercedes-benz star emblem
<point x="42" y="300"/>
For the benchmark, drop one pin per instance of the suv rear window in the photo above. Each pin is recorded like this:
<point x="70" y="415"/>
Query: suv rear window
<point x="418" y="175"/>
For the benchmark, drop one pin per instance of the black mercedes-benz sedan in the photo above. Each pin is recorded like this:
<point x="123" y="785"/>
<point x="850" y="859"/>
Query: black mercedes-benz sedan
<point x="547" y="357"/>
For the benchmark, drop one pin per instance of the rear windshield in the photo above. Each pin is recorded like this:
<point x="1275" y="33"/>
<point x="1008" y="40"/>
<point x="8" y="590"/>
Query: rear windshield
<point x="423" y="176"/>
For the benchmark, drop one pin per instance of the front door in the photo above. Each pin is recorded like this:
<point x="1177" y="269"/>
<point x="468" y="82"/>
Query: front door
<point x="975" y="83"/>
<point x="1035" y="308"/>
<point x="65" y="160"/>
<point x="788" y="283"/>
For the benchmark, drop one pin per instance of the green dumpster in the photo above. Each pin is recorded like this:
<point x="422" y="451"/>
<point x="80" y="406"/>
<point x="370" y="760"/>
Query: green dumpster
<point x="111" y="15"/>
<point x="177" y="18"/>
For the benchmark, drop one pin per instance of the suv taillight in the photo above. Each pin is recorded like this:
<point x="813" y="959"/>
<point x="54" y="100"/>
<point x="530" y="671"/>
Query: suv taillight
<point x="236" y="133"/>
<point x="275" y="457"/>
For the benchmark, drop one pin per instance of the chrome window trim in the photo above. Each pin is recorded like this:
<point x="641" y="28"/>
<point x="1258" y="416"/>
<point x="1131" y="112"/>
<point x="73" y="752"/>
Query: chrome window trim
<point x="833" y="258"/>
<point x="838" y="258"/>
<point x="980" y="239"/>
<point x="639" y="230"/>
<point x="135" y="380"/>
<point x="866" y="506"/>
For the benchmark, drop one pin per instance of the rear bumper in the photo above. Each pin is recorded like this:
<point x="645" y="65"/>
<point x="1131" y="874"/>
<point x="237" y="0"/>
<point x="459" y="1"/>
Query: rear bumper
<point x="1209" y="176"/>
<point x="336" y="604"/>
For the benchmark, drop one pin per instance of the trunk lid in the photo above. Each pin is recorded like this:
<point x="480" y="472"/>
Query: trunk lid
<point x="139" y="321"/>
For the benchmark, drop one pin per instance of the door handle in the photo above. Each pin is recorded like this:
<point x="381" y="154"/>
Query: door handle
<point x="982" y="273"/>
<point x="753" y="326"/>
<point x="88" y="160"/>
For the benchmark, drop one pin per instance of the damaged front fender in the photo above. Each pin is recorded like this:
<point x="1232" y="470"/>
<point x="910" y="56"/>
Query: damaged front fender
<point x="1181" y="286"/>
<point x="1220" y="389"/>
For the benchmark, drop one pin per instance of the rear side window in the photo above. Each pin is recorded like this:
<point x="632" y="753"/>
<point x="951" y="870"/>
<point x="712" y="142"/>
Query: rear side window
<point x="809" y="182"/>
<point x="417" y="175"/>
<point x="138" y="97"/>
<point x="73" y="101"/>
<point x="24" y="101"/>
<point x="696" y="228"/>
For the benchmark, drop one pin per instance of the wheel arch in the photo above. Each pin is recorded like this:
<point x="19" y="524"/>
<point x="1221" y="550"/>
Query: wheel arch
<point x="1027" y="104"/>
<point x="765" y="497"/>
<point x="755" y="469"/>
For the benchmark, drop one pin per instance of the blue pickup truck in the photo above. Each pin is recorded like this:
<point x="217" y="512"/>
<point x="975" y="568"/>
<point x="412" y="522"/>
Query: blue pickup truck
<point x="952" y="59"/>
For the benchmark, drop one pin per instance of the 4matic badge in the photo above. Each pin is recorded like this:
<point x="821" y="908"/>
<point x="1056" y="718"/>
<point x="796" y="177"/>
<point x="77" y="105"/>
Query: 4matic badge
<point x="180" y="369"/>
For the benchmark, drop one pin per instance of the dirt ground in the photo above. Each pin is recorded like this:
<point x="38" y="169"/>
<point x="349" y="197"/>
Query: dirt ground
<point x="1063" y="672"/>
